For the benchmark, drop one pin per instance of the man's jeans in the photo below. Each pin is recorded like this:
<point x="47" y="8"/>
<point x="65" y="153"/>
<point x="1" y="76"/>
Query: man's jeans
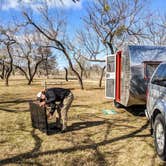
<point x="61" y="113"/>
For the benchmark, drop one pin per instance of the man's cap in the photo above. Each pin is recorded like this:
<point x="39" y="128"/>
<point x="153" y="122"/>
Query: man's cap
<point x="39" y="95"/>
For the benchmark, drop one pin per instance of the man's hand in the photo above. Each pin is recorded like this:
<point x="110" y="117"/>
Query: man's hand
<point x="49" y="116"/>
<point x="42" y="104"/>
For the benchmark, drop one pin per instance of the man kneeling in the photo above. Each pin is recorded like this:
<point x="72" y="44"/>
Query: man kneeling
<point x="50" y="97"/>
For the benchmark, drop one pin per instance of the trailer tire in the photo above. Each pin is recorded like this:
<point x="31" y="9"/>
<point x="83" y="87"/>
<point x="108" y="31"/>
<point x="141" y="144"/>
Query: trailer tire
<point x="160" y="136"/>
<point x="117" y="105"/>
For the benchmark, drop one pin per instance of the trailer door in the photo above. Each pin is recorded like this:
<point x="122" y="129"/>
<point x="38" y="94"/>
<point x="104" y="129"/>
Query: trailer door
<point x="110" y="76"/>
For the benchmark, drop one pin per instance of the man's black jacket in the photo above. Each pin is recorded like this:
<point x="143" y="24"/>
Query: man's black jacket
<point x="56" y="94"/>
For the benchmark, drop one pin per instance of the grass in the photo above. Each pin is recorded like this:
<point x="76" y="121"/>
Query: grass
<point x="95" y="139"/>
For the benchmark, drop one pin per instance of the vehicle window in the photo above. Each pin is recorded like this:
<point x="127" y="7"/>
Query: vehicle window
<point x="160" y="76"/>
<point x="150" y="68"/>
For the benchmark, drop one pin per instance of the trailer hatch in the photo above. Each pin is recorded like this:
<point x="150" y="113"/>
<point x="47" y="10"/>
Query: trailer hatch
<point x="110" y="76"/>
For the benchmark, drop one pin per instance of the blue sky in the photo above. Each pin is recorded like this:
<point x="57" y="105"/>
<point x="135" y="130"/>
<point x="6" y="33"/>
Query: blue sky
<point x="74" y="11"/>
<point x="10" y="8"/>
<point x="159" y="5"/>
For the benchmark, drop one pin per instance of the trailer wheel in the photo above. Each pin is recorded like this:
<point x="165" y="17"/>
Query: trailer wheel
<point x="160" y="136"/>
<point x="117" y="105"/>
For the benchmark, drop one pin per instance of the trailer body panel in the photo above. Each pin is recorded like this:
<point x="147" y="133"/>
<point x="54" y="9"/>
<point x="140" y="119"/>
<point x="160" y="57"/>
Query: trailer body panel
<point x="134" y="66"/>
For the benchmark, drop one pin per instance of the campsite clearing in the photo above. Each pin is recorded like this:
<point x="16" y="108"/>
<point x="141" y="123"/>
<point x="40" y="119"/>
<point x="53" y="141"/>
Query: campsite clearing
<point x="93" y="138"/>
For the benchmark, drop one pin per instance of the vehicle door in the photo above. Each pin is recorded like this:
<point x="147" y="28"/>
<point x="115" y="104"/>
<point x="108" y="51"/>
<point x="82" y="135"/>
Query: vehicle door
<point x="157" y="87"/>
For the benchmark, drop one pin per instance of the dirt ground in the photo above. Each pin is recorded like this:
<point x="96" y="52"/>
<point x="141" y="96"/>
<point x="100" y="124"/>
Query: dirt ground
<point x="93" y="139"/>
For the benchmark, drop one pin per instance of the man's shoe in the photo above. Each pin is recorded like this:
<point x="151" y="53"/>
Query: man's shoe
<point x="58" y="127"/>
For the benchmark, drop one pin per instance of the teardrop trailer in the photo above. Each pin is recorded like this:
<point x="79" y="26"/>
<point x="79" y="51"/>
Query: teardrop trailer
<point x="128" y="72"/>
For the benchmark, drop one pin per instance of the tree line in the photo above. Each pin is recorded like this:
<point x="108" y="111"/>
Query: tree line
<point x="32" y="46"/>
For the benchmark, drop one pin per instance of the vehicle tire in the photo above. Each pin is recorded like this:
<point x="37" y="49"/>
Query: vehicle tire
<point x="117" y="105"/>
<point x="160" y="136"/>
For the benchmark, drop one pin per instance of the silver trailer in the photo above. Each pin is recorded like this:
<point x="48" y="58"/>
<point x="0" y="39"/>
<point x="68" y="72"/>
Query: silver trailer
<point x="128" y="72"/>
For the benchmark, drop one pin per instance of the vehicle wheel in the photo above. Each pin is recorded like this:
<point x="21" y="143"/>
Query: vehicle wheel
<point x="160" y="136"/>
<point x="117" y="105"/>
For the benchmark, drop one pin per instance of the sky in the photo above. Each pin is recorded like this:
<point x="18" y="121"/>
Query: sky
<point x="9" y="8"/>
<point x="159" y="5"/>
<point x="74" y="11"/>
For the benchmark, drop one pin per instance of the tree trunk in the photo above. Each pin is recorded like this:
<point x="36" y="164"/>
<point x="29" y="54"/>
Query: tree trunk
<point x="66" y="74"/>
<point x="111" y="46"/>
<point x="72" y="68"/>
<point x="46" y="66"/>
<point x="80" y="81"/>
<point x="30" y="81"/>
<point x="31" y="76"/>
<point x="7" y="81"/>
<point x="101" y="77"/>
<point x="10" y="67"/>
<point x="3" y="70"/>
<point x="13" y="72"/>
<point x="23" y="71"/>
<point x="81" y="75"/>
<point x="79" y="78"/>
<point x="81" y="68"/>
<point x="85" y="74"/>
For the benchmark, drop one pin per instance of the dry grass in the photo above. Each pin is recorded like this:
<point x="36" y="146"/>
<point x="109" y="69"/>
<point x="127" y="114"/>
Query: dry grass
<point x="94" y="139"/>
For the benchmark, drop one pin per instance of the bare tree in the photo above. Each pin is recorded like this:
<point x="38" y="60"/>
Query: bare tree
<point x="52" y="32"/>
<point x="94" y="50"/>
<point x="7" y="41"/>
<point x="29" y="55"/>
<point x="155" y="29"/>
<point x="49" y="64"/>
<point x="116" y="21"/>
<point x="91" y="45"/>
<point x="80" y="61"/>
<point x="108" y="25"/>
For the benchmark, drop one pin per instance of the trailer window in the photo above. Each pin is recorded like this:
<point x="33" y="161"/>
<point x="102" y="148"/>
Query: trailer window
<point x="110" y="64"/>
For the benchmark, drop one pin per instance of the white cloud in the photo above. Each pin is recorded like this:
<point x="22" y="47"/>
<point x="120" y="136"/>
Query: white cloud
<point x="35" y="4"/>
<point x="7" y="5"/>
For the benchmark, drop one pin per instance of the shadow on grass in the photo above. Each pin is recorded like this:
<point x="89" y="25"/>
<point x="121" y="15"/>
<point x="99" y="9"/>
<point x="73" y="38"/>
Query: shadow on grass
<point x="136" y="110"/>
<point x="5" y="104"/>
<point x="36" y="153"/>
<point x="17" y="101"/>
<point x="94" y="88"/>
<point x="80" y="105"/>
<point x="74" y="127"/>
<point x="20" y="158"/>
<point x="12" y="110"/>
